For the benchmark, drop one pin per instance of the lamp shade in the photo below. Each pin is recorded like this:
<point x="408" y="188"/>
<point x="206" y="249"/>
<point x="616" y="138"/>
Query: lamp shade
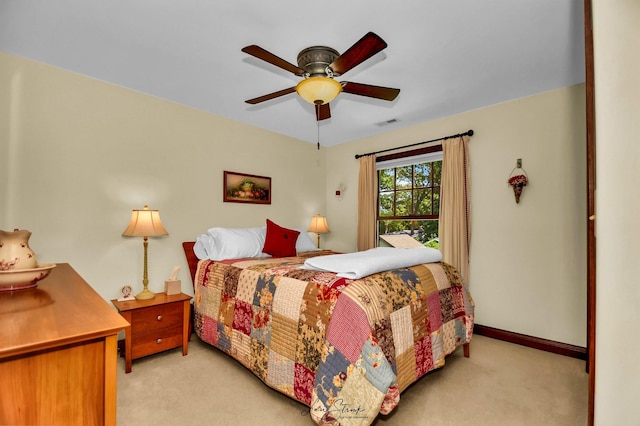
<point x="318" y="90"/>
<point x="319" y="225"/>
<point x="145" y="223"/>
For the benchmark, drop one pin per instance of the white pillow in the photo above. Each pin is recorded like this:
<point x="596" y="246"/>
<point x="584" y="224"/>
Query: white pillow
<point x="304" y="243"/>
<point x="202" y="246"/>
<point x="231" y="243"/>
<point x="239" y="243"/>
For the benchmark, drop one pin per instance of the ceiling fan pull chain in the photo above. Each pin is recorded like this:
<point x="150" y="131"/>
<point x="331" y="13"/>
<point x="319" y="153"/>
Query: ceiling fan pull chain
<point x="318" y="123"/>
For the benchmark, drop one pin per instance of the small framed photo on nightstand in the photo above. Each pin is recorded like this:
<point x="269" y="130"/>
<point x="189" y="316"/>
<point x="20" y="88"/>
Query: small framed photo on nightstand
<point x="126" y="291"/>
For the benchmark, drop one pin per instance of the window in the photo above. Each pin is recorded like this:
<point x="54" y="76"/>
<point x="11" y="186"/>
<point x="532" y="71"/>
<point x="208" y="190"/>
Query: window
<point x="409" y="194"/>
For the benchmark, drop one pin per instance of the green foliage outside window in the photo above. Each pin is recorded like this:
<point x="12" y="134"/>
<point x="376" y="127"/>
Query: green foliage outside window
<point x="409" y="201"/>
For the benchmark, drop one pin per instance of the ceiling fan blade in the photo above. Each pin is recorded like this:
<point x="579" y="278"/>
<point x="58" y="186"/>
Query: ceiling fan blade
<point x="323" y="112"/>
<point x="267" y="56"/>
<point x="379" y="92"/>
<point x="362" y="50"/>
<point x="271" y="96"/>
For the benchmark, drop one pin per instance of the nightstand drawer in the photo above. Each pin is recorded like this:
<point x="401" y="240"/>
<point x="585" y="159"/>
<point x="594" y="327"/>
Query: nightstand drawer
<point x="156" y="341"/>
<point x="157" y="317"/>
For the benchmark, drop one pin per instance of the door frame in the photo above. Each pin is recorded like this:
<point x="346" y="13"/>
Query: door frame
<point x="591" y="189"/>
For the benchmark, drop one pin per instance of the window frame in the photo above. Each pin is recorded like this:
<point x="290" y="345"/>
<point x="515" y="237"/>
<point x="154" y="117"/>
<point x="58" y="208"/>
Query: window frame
<point x="427" y="152"/>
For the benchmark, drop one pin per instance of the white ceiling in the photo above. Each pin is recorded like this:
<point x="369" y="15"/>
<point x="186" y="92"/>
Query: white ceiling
<point x="446" y="56"/>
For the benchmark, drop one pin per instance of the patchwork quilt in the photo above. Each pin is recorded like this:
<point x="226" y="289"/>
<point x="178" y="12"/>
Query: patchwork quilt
<point x="345" y="348"/>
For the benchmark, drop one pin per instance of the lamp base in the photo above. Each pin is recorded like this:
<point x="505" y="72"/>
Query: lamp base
<point x="145" y="294"/>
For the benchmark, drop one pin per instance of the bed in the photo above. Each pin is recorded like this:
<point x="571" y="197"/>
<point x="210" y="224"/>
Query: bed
<point x="345" y="347"/>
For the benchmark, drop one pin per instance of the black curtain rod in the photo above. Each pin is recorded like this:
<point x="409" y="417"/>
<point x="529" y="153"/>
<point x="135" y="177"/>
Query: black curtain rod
<point x="467" y="133"/>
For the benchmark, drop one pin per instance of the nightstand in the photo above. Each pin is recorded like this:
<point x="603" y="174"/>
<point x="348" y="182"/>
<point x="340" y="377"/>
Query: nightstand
<point x="157" y="325"/>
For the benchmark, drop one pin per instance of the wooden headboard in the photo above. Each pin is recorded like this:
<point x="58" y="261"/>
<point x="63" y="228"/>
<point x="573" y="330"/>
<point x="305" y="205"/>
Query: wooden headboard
<point x="192" y="260"/>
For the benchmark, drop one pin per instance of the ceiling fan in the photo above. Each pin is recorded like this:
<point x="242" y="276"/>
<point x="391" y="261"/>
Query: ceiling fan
<point x="319" y="65"/>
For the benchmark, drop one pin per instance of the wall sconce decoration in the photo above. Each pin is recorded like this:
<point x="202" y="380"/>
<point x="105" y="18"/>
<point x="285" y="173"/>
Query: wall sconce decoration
<point x="518" y="180"/>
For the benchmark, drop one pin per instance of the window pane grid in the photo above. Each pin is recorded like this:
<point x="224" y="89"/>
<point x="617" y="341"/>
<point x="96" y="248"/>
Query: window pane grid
<point x="409" y="201"/>
<point x="415" y="191"/>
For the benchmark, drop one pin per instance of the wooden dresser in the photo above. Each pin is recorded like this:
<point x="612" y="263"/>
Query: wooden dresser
<point x="58" y="353"/>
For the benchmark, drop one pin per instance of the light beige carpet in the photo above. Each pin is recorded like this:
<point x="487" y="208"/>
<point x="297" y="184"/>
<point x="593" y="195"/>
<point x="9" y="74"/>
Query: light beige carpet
<point x="500" y="384"/>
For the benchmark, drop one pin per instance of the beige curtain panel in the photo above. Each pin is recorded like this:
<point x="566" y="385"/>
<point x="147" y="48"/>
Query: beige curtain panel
<point x="454" y="226"/>
<point x="367" y="203"/>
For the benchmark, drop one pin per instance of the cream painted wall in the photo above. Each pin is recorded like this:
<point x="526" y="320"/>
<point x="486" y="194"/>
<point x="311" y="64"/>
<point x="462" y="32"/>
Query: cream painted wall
<point x="80" y="154"/>
<point x="528" y="260"/>
<point x="77" y="155"/>
<point x="617" y="93"/>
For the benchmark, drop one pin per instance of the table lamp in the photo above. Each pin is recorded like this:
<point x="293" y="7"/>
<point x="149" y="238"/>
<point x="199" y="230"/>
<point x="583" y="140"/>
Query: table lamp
<point x="319" y="226"/>
<point x="145" y="223"/>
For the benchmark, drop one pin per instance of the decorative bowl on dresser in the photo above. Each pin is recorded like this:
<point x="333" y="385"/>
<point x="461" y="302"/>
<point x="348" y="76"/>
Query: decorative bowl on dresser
<point x="20" y="279"/>
<point x="58" y="353"/>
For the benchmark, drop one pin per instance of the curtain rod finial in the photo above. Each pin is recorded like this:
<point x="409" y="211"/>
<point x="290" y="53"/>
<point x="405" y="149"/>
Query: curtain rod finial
<point x="470" y="133"/>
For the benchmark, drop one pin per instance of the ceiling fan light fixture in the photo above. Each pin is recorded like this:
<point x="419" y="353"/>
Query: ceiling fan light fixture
<point x="318" y="90"/>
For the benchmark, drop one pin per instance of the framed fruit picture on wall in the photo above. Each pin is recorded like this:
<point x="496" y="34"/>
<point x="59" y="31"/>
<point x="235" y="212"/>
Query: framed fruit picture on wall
<point x="246" y="188"/>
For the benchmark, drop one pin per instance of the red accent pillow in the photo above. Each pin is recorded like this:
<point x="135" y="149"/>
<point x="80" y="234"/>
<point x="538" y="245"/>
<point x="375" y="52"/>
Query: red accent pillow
<point x="279" y="241"/>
